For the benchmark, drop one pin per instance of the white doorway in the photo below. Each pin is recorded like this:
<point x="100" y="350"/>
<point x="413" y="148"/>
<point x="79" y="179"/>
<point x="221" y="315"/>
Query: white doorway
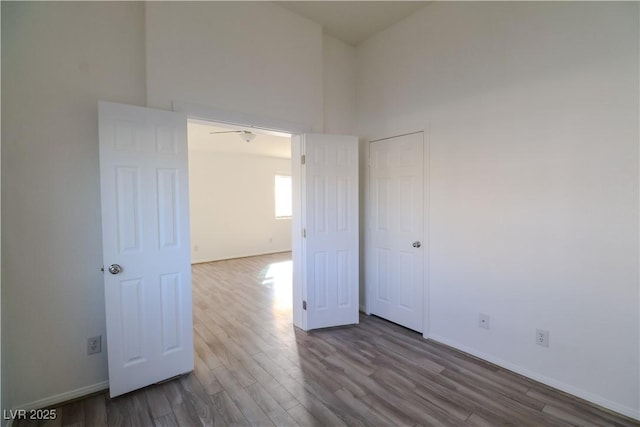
<point x="397" y="240"/>
<point x="238" y="191"/>
<point x="146" y="239"/>
<point x="234" y="206"/>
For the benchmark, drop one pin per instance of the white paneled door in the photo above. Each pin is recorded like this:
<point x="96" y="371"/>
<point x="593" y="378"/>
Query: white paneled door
<point x="330" y="221"/>
<point x="145" y="232"/>
<point x="395" y="249"/>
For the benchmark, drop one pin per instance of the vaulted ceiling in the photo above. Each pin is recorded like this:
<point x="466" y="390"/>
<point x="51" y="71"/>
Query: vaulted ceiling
<point x="354" y="21"/>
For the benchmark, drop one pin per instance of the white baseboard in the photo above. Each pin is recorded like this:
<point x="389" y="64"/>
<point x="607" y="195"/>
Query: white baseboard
<point x="225" y="258"/>
<point x="598" y="400"/>
<point x="64" y="397"/>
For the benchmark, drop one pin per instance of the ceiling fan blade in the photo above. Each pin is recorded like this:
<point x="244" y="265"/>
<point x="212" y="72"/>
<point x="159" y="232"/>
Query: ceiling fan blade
<point x="227" y="131"/>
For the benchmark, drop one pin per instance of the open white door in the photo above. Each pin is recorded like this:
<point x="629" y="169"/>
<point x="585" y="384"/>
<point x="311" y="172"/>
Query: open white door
<point x="329" y="252"/>
<point x="145" y="233"/>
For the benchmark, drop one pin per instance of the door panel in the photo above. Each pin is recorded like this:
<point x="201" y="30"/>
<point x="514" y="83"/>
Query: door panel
<point x="395" y="266"/>
<point x="144" y="189"/>
<point x="330" y="219"/>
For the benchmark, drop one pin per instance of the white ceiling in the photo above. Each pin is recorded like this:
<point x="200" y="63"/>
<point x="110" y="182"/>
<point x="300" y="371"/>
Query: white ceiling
<point x="354" y="21"/>
<point x="264" y="144"/>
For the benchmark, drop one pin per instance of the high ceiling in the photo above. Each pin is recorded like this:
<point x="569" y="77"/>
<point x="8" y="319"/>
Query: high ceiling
<point x="200" y="139"/>
<point x="354" y="21"/>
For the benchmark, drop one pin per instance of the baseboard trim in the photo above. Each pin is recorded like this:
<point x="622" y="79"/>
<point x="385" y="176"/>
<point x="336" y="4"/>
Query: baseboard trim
<point x="590" y="397"/>
<point x="226" y="258"/>
<point x="64" y="397"/>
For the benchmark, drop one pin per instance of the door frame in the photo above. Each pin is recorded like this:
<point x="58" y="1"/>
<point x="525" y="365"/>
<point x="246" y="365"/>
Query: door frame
<point x="283" y="127"/>
<point x="426" y="214"/>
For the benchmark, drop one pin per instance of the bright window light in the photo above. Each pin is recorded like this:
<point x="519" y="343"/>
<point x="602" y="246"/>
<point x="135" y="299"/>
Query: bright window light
<point x="283" y="196"/>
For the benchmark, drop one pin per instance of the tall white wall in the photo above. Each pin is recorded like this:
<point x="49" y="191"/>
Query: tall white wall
<point x="58" y="59"/>
<point x="251" y="57"/>
<point x="339" y="77"/>
<point x="232" y="205"/>
<point x="531" y="111"/>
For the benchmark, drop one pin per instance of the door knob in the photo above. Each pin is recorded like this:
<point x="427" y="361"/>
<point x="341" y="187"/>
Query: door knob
<point x="417" y="244"/>
<point x="115" y="269"/>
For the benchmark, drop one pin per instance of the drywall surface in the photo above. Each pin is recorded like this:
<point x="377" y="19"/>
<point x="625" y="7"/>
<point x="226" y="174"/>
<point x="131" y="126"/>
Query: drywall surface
<point x="232" y="205"/>
<point x="339" y="86"/>
<point x="531" y="112"/>
<point x="58" y="60"/>
<point x="256" y="58"/>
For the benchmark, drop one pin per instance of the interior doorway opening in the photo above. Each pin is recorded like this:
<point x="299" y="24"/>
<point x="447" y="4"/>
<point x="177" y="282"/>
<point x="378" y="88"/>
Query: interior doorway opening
<point x="240" y="192"/>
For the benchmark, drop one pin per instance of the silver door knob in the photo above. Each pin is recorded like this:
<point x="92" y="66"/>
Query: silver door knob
<point x="417" y="244"/>
<point x="114" y="269"/>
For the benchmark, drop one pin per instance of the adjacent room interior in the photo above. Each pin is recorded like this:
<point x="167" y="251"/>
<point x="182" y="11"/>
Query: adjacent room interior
<point x="239" y="192"/>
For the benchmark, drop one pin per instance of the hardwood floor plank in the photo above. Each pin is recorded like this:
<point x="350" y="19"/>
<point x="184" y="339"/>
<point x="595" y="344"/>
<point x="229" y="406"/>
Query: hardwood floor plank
<point x="158" y="404"/>
<point x="252" y="367"/>
<point x="268" y="404"/>
<point x="303" y="417"/>
<point x="369" y="415"/>
<point x="477" y="421"/>
<point x="73" y="414"/>
<point x="228" y="409"/>
<point x="251" y="410"/>
<point x="194" y="392"/>
<point x="569" y="417"/>
<point x="118" y="412"/>
<point x="572" y="405"/>
<point x="95" y="410"/>
<point x="56" y="422"/>
<point x="168" y="420"/>
<point x="139" y="410"/>
<point x="206" y="377"/>
<point x="182" y="409"/>
<point x="203" y="351"/>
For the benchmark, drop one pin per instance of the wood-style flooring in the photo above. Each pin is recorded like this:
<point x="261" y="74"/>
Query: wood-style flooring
<point x="253" y="367"/>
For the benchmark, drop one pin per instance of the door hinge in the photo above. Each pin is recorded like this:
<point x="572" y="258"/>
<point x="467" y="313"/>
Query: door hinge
<point x="304" y="233"/>
<point x="303" y="159"/>
<point x="304" y="305"/>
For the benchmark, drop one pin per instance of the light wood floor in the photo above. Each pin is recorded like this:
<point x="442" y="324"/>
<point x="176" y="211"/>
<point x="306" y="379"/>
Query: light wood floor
<point x="253" y="368"/>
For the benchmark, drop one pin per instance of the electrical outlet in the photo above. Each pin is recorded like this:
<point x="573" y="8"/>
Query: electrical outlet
<point x="196" y="248"/>
<point x="94" y="345"/>
<point x="542" y="337"/>
<point x="483" y="320"/>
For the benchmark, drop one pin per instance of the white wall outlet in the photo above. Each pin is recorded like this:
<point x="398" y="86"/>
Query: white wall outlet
<point x="483" y="320"/>
<point x="94" y="345"/>
<point x="196" y="248"/>
<point x="542" y="337"/>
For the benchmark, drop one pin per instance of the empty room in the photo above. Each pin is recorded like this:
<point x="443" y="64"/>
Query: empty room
<point x="461" y="248"/>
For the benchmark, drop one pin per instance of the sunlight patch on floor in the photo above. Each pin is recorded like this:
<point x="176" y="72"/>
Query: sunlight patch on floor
<point x="279" y="277"/>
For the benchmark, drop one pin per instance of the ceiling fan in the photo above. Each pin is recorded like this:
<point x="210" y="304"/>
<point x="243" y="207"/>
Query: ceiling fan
<point x="245" y="135"/>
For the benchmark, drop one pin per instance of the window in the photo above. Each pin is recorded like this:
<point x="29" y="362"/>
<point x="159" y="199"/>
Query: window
<point x="283" y="196"/>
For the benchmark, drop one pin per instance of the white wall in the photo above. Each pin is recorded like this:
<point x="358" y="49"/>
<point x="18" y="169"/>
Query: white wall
<point x="232" y="205"/>
<point x="532" y="114"/>
<point x="339" y="77"/>
<point x="252" y="57"/>
<point x="58" y="59"/>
